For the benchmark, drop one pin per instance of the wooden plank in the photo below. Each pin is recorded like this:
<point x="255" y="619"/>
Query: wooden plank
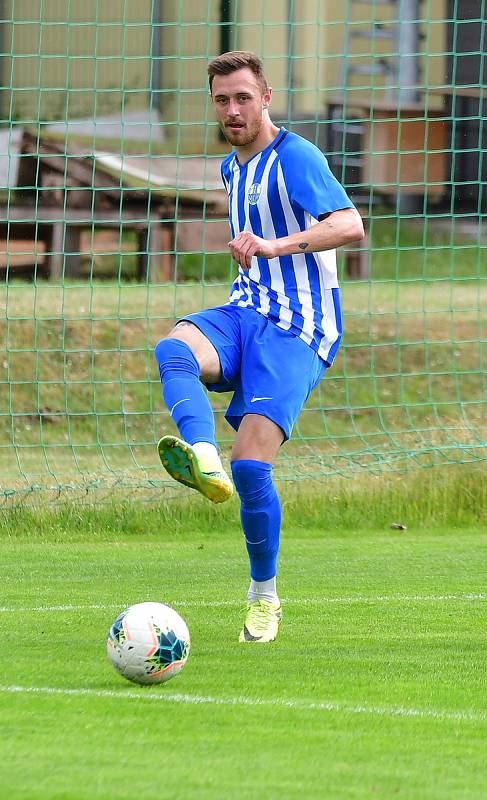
<point x="32" y="214"/>
<point x="10" y="146"/>
<point x="21" y="253"/>
<point x="202" y="236"/>
<point x="406" y="155"/>
<point x="78" y="166"/>
<point x="56" y="254"/>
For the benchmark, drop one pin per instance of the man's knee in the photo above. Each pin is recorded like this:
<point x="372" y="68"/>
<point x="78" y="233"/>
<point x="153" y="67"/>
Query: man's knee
<point x="253" y="481"/>
<point x="173" y="354"/>
<point x="200" y="346"/>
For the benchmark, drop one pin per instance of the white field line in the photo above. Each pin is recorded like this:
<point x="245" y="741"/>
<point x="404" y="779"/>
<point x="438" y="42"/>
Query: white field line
<point x="306" y="601"/>
<point x="254" y="702"/>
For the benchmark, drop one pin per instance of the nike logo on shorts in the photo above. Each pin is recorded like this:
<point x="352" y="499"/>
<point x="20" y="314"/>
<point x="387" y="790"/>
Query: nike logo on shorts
<point x="256" y="399"/>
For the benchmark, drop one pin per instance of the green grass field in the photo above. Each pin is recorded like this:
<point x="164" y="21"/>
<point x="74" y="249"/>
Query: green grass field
<point x="81" y="397"/>
<point x="376" y="686"/>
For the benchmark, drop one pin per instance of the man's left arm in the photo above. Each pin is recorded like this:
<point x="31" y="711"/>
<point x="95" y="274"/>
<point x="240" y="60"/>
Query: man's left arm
<point x="338" y="228"/>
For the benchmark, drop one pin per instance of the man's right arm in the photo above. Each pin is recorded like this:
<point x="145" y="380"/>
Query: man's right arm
<point x="338" y="228"/>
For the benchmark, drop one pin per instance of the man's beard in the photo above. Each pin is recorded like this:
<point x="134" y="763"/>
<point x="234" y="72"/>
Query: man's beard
<point x="242" y="140"/>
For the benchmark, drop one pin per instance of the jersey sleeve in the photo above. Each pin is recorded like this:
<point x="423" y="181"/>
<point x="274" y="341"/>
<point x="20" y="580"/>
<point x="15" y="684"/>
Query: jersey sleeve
<point x="311" y="184"/>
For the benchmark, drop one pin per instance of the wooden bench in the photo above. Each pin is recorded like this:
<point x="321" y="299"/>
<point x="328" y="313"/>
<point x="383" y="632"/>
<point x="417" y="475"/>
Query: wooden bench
<point x="52" y="239"/>
<point x="56" y="235"/>
<point x="19" y="255"/>
<point x="212" y="235"/>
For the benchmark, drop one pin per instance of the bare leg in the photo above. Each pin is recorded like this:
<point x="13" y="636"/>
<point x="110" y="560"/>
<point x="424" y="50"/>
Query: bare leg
<point x="203" y="350"/>
<point x="258" y="438"/>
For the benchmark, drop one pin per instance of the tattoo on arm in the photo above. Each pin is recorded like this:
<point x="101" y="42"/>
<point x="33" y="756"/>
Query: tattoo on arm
<point x="303" y="245"/>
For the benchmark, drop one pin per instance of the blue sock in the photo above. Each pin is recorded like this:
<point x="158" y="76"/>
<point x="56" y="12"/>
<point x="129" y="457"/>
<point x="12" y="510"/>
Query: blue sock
<point x="183" y="392"/>
<point x="260" y="514"/>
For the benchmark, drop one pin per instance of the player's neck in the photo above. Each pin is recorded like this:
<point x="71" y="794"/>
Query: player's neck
<point x="266" y="135"/>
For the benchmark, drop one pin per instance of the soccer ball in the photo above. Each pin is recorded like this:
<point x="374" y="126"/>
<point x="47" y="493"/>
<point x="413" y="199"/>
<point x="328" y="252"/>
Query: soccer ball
<point x="148" y="643"/>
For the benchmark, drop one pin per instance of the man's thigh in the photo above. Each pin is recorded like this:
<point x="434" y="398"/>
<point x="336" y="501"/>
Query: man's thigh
<point x="220" y="327"/>
<point x="203" y="350"/>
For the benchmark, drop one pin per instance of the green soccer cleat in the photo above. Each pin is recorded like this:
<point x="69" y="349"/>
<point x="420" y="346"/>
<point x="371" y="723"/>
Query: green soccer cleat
<point x="261" y="622"/>
<point x="206" y="475"/>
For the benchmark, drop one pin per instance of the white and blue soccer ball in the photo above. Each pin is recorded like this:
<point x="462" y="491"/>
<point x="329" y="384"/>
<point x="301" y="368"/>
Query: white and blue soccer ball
<point x="148" y="643"/>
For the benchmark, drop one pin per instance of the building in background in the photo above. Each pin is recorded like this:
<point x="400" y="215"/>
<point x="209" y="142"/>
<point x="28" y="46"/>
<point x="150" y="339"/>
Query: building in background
<point x="389" y="90"/>
<point x="65" y="61"/>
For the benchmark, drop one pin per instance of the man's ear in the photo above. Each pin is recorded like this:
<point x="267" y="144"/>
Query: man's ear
<point x="266" y="97"/>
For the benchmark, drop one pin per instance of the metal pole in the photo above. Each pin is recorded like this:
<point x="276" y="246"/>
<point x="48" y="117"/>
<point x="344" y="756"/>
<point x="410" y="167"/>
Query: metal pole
<point x="408" y="52"/>
<point x="226" y="27"/>
<point x="291" y="78"/>
<point x="3" y="23"/>
<point x="156" y="46"/>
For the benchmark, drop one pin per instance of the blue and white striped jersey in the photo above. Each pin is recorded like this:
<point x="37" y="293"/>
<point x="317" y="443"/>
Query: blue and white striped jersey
<point x="284" y="189"/>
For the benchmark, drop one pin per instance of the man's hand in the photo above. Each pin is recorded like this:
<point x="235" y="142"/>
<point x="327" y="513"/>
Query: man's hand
<point x="246" y="245"/>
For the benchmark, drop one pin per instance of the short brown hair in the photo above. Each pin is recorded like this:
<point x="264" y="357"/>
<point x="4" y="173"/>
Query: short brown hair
<point x="234" y="60"/>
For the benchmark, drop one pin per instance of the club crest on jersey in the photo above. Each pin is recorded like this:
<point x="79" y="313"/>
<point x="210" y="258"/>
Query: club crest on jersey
<point x="254" y="194"/>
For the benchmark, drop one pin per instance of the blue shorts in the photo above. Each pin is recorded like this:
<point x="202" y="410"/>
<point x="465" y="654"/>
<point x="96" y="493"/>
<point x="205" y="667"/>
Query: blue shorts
<point x="270" y="370"/>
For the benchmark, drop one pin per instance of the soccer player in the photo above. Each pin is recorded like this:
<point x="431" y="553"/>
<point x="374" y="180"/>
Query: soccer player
<point x="271" y="343"/>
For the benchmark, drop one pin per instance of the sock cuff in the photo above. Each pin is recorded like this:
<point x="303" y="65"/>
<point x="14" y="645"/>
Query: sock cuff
<point x="250" y="464"/>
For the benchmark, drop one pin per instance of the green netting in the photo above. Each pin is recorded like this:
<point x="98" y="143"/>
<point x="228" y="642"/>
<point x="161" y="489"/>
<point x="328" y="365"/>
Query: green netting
<point x="113" y="225"/>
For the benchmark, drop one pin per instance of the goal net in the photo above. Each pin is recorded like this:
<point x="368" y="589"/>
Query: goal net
<point x="113" y="225"/>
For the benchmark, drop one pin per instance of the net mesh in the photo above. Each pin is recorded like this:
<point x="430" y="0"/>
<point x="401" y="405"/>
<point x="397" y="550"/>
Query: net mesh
<point x="113" y="225"/>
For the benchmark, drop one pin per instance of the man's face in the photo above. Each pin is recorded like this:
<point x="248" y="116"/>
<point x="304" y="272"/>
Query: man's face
<point x="239" y="105"/>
